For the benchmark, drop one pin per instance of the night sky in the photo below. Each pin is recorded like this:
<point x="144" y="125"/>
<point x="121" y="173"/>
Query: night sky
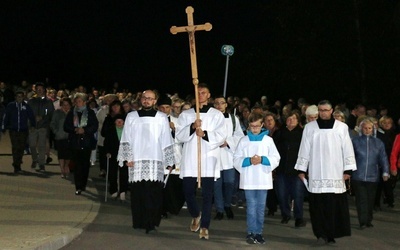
<point x="309" y="48"/>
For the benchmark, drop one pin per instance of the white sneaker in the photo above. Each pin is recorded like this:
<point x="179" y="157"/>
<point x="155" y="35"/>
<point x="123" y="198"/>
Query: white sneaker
<point x="122" y="196"/>
<point x="114" y="195"/>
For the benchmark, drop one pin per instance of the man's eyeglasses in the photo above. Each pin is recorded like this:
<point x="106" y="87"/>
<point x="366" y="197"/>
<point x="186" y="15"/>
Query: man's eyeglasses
<point x="219" y="103"/>
<point x="147" y="98"/>
<point x="324" y="110"/>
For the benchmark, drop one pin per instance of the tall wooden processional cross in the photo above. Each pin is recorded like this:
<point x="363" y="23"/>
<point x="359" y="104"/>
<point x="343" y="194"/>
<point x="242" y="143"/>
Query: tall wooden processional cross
<point x="191" y="28"/>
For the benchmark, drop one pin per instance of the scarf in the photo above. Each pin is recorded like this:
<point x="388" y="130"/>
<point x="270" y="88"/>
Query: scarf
<point x="84" y="117"/>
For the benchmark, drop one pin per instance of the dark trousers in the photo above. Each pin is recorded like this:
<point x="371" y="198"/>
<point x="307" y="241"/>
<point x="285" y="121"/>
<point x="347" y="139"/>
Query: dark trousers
<point x="81" y="158"/>
<point x="365" y="198"/>
<point x="207" y="190"/>
<point x="102" y="158"/>
<point x="18" y="143"/>
<point x="288" y="188"/>
<point x="113" y="170"/>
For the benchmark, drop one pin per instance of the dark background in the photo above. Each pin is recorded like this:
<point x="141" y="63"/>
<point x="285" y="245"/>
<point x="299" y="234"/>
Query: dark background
<point x="339" y="50"/>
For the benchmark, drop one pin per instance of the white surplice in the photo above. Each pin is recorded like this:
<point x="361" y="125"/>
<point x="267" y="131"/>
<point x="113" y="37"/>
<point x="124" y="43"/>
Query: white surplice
<point x="326" y="154"/>
<point x="213" y="121"/>
<point x="232" y="140"/>
<point x="147" y="142"/>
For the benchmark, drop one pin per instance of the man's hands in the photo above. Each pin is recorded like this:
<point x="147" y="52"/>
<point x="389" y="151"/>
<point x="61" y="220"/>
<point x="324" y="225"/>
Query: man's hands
<point x="172" y="126"/>
<point x="197" y="125"/>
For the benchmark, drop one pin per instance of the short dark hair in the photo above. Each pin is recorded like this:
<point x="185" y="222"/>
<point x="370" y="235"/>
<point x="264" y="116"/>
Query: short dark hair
<point x="66" y="99"/>
<point x="203" y="85"/>
<point x="325" y="102"/>
<point x="37" y="84"/>
<point x="253" y="117"/>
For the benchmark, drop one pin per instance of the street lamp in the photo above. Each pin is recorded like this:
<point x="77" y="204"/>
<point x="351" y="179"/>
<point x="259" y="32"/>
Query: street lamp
<point x="226" y="50"/>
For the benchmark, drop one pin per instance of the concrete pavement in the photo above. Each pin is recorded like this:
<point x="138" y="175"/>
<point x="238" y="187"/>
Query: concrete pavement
<point x="40" y="210"/>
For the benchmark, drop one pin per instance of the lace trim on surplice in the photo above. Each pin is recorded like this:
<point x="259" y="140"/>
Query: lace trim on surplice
<point x="169" y="156"/>
<point x="148" y="170"/>
<point x="125" y="153"/>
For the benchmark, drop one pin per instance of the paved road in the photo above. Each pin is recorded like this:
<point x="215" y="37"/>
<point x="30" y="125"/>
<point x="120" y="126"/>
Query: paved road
<point x="112" y="229"/>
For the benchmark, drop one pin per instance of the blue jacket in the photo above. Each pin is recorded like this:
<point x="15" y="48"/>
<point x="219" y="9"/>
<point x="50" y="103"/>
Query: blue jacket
<point x="370" y="156"/>
<point x="18" y="117"/>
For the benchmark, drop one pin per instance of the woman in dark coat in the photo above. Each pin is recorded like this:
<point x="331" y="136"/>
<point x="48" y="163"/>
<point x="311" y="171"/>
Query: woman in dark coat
<point x="111" y="146"/>
<point x="81" y="124"/>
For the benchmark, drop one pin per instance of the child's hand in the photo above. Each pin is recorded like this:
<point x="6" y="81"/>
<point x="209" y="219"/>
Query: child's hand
<point x="255" y="160"/>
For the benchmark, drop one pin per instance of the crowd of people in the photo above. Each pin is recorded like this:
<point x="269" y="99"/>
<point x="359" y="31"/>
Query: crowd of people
<point x="161" y="148"/>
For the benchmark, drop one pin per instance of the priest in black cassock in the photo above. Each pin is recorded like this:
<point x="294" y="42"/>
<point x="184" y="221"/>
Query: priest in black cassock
<point x="146" y="147"/>
<point x="326" y="152"/>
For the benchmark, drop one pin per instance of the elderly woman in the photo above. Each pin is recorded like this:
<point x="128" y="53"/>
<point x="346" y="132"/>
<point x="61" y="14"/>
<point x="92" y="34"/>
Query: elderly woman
<point x="370" y="156"/>
<point x="311" y="113"/>
<point x="60" y="136"/>
<point x="81" y="124"/>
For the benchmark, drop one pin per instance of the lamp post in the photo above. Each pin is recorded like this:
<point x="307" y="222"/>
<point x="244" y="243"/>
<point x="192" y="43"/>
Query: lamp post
<point x="227" y="50"/>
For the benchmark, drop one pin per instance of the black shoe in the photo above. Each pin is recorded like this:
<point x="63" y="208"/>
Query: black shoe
<point x="285" y="219"/>
<point x="34" y="163"/>
<point x="41" y="168"/>
<point x="369" y="224"/>
<point x="164" y="215"/>
<point x="148" y="230"/>
<point x="300" y="223"/>
<point x="331" y="241"/>
<point x="250" y="239"/>
<point x="377" y="208"/>
<point x="17" y="171"/>
<point x="229" y="213"/>
<point x="48" y="160"/>
<point x="219" y="216"/>
<point x="259" y="239"/>
<point x="270" y="213"/>
<point x="78" y="192"/>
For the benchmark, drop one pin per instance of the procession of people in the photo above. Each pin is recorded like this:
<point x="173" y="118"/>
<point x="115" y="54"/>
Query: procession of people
<point x="162" y="152"/>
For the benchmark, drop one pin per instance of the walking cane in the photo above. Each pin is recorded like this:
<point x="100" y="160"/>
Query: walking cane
<point x="108" y="166"/>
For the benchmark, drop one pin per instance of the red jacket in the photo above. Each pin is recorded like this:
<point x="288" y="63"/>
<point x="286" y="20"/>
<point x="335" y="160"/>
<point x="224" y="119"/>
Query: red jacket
<point x="395" y="155"/>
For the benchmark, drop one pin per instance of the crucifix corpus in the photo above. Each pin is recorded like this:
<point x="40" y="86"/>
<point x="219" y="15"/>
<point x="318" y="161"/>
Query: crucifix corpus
<point x="190" y="29"/>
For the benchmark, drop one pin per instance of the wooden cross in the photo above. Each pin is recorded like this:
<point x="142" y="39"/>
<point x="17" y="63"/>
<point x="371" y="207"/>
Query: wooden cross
<point x="191" y="28"/>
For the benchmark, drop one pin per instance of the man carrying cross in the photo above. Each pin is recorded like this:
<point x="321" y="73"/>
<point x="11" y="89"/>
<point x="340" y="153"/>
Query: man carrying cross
<point x="211" y="129"/>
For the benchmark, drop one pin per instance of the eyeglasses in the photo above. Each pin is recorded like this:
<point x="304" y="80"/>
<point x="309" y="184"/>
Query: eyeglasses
<point x="255" y="126"/>
<point x="147" y="98"/>
<point x="324" y="110"/>
<point x="219" y="103"/>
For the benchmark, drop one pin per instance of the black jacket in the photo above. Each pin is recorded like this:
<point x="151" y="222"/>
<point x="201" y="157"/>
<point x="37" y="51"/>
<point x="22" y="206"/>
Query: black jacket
<point x="87" y="140"/>
<point x="111" y="142"/>
<point x="288" y="145"/>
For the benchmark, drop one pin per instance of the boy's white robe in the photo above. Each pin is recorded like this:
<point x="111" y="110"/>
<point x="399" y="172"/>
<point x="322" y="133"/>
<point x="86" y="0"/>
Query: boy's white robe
<point x="256" y="177"/>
